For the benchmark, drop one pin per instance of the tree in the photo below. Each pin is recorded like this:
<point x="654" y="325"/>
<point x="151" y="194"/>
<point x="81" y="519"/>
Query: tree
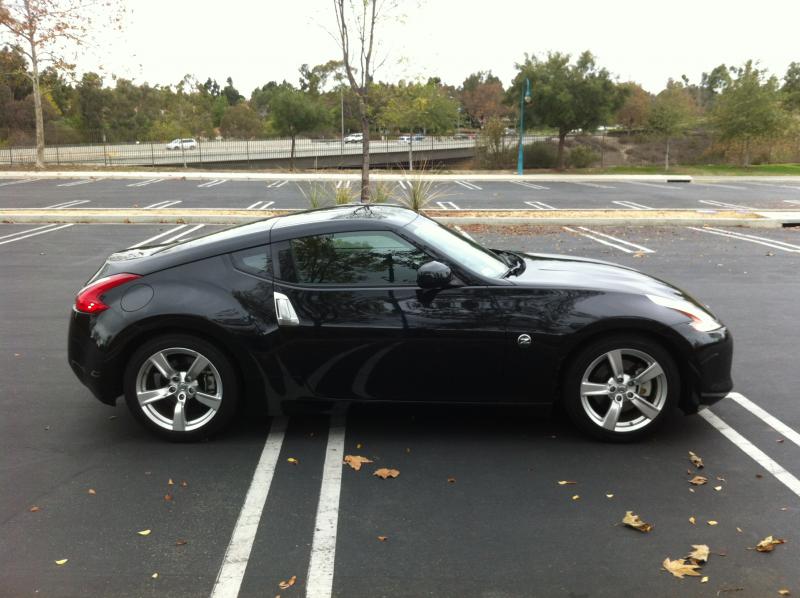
<point x="359" y="18"/>
<point x="295" y="112"/>
<point x="231" y="93"/>
<point x="482" y="96"/>
<point x="313" y="79"/>
<point x="791" y="87"/>
<point x="418" y="106"/>
<point x="241" y="122"/>
<point x="40" y="30"/>
<point x="567" y="96"/>
<point x="92" y="106"/>
<point x="749" y="109"/>
<point x="634" y="112"/>
<point x="671" y="115"/>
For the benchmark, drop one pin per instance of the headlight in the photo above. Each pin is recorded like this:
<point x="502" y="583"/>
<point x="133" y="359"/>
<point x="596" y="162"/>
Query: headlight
<point x="701" y="319"/>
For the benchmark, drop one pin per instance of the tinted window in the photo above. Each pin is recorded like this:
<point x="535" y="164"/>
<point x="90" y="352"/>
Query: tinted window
<point x="256" y="261"/>
<point x="357" y="258"/>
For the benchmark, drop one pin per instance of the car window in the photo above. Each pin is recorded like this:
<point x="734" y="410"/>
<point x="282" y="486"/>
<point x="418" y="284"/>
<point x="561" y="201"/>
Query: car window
<point x="375" y="258"/>
<point x="257" y="260"/>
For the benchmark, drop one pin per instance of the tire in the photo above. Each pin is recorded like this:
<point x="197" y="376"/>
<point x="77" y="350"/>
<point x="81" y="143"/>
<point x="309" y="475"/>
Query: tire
<point x="605" y="408"/>
<point x="197" y="400"/>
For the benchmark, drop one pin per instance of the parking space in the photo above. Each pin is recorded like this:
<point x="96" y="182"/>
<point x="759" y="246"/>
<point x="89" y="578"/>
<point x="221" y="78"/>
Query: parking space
<point x="476" y="509"/>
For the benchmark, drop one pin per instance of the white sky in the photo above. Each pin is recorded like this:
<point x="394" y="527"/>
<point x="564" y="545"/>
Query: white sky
<point x="256" y="41"/>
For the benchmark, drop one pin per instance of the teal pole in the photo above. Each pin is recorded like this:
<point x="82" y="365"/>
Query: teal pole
<point x="526" y="97"/>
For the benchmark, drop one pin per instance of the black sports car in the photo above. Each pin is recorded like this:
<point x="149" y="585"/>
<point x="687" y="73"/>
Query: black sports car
<point x="378" y="303"/>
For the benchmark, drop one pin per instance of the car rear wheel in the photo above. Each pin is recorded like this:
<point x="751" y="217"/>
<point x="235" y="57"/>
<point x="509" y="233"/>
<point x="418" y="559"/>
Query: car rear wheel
<point x="181" y="388"/>
<point x="619" y="389"/>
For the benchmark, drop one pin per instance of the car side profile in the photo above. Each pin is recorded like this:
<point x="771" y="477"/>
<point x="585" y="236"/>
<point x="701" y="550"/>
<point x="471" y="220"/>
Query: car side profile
<point x="376" y="303"/>
<point x="187" y="144"/>
<point x="354" y="138"/>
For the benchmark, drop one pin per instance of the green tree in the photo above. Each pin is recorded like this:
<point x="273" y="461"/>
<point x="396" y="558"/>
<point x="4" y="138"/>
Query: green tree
<point x="635" y="110"/>
<point x="749" y="110"/>
<point x="231" y="93"/>
<point x="671" y="114"/>
<point x="294" y="112"/>
<point x="791" y="87"/>
<point x="241" y="122"/>
<point x="313" y="79"/>
<point x="92" y="106"/>
<point x="421" y="106"/>
<point x="567" y="96"/>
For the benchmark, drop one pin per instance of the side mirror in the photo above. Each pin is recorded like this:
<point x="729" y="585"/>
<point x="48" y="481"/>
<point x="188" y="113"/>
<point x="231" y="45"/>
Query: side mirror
<point x="434" y="275"/>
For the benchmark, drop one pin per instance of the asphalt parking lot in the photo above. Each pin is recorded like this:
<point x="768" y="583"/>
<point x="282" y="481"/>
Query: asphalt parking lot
<point x="476" y="510"/>
<point x="151" y="193"/>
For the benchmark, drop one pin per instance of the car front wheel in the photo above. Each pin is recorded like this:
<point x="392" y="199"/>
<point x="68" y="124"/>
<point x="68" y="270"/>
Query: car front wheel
<point x="620" y="388"/>
<point x="181" y="388"/>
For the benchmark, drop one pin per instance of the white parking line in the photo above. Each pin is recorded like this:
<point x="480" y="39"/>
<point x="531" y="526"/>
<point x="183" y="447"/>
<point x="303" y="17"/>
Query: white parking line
<point x="184" y="233"/>
<point x="665" y="186"/>
<point x="766" y="417"/>
<point x="276" y="184"/>
<point x="33" y="234"/>
<point x="719" y="185"/>
<point x="749" y="238"/>
<point x="258" y="206"/>
<point x="468" y="185"/>
<point x="447" y="205"/>
<point x="773" y="185"/>
<point x="530" y="185"/>
<point x="632" y="205"/>
<point x="162" y="204"/>
<point x="722" y="204"/>
<point x="20" y="182"/>
<point x="234" y="563"/>
<point x="595" y="185"/>
<point x="27" y="230"/>
<point x="540" y="205"/>
<point x="144" y="183"/>
<point x="158" y="236"/>
<point x="76" y="183"/>
<point x="66" y="204"/>
<point x="319" y="582"/>
<point x="212" y="183"/>
<point x="463" y="232"/>
<point x="795" y="202"/>
<point x="752" y="451"/>
<point x="590" y="234"/>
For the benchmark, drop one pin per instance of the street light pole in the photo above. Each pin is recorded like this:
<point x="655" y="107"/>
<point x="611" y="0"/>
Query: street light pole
<point x="524" y="99"/>
<point x="341" y="139"/>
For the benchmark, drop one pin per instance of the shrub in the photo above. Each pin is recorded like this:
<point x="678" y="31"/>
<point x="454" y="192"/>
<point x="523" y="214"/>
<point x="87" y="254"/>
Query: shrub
<point x="582" y="157"/>
<point x="539" y="155"/>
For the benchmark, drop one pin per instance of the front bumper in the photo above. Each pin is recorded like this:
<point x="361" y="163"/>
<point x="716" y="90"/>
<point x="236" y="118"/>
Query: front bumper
<point x="709" y="369"/>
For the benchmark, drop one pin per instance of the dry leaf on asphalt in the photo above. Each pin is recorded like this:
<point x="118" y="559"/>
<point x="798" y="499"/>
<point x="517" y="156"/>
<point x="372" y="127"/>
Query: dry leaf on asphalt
<point x="451" y="480"/>
<point x="698" y="480"/>
<point x="355" y="461"/>
<point x="61" y="562"/>
<point x="184" y="483"/>
<point x="609" y="496"/>
<point x="35" y="509"/>
<point x="170" y="482"/>
<point x="679" y="568"/>
<point x="769" y="543"/>
<point x="359" y="445"/>
<point x="91" y="491"/>
<point x="712" y="522"/>
<point x="633" y="520"/>
<point x="181" y="542"/>
<point x="784" y="592"/>
<point x="576" y="497"/>
<point x="565" y="482"/>
<point x="704" y="579"/>
<point x="168" y="497"/>
<point x="293" y="461"/>
<point x="696" y="461"/>
<point x="154" y="576"/>
<point x="692" y="520"/>
<point x="699" y="554"/>
<point x="717" y="488"/>
<point x="288" y="583"/>
<point x="739" y="529"/>
<point x="383" y="538"/>
<point x="384" y="473"/>
<point x="144" y="532"/>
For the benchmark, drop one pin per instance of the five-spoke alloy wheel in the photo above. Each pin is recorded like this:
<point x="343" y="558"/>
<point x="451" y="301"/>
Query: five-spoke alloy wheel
<point x="619" y="388"/>
<point x="181" y="387"/>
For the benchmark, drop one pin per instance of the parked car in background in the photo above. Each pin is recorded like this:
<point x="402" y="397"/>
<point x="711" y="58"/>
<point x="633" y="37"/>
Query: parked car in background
<point x="409" y="138"/>
<point x="354" y="138"/>
<point x="187" y="144"/>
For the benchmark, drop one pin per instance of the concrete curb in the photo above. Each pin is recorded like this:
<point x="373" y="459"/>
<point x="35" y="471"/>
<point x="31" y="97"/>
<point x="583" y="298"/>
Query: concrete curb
<point x="505" y="217"/>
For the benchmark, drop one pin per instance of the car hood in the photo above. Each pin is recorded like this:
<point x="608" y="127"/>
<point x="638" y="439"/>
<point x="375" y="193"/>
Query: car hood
<point x="546" y="270"/>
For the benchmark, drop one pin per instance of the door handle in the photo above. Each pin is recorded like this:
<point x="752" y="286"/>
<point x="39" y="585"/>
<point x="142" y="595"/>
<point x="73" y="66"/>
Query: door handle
<point x="285" y="311"/>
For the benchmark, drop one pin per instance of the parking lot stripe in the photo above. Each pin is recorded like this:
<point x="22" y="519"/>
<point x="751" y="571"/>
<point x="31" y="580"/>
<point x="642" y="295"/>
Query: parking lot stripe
<point x="258" y="205"/>
<point x="66" y="204"/>
<point x="540" y="205"/>
<point x="719" y="185"/>
<point x="766" y="417"/>
<point x="665" y="186"/>
<point x="792" y="201"/>
<point x="75" y="183"/>
<point x="749" y="238"/>
<point x="40" y="232"/>
<point x="447" y="205"/>
<point x="531" y="185"/>
<point x="20" y="182"/>
<point x="162" y="204"/>
<point x="234" y="563"/>
<point x="212" y="183"/>
<point x="319" y="582"/>
<point x="632" y="205"/>
<point x="722" y="204"/>
<point x="752" y="451"/>
<point x="28" y="230"/>
<point x="184" y="233"/>
<point x="463" y="232"/>
<point x="158" y="236"/>
<point x="468" y="185"/>
<point x="595" y="185"/>
<point x="590" y="234"/>
<point x="144" y="183"/>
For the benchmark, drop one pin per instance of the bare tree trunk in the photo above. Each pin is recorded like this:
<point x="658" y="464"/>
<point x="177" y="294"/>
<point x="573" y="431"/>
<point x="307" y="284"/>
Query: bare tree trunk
<point x="364" y="155"/>
<point x="291" y="156"/>
<point x="37" y="108"/>
<point x="562" y="137"/>
<point x="666" y="156"/>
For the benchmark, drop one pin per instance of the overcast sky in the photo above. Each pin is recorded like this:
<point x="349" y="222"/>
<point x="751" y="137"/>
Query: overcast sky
<point x="257" y="41"/>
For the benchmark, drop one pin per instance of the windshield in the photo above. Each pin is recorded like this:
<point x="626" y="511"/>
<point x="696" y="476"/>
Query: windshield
<point x="466" y="252"/>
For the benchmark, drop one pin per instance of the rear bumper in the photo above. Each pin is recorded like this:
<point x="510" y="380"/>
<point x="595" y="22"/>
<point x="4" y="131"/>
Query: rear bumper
<point x="88" y="362"/>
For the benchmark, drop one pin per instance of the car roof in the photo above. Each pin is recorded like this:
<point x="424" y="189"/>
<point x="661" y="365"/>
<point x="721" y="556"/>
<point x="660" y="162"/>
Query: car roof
<point x="385" y="216"/>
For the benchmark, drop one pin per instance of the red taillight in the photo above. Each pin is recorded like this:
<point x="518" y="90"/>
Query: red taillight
<point x="90" y="298"/>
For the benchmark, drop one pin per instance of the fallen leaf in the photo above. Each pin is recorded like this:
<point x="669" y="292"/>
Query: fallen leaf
<point x="408" y="451"/>
<point x="784" y="508"/>
<point x="721" y="479"/>
<point x="384" y="473"/>
<point x="679" y="568"/>
<point x="784" y="592"/>
<point x="184" y="484"/>
<point x="61" y="562"/>
<point x="639" y="253"/>
<point x="383" y="538"/>
<point x="355" y="461"/>
<point x="170" y="482"/>
<point x="576" y="497"/>
<point x="779" y="440"/>
<point x="699" y="554"/>
<point x="112" y="417"/>
<point x="293" y="461"/>
<point x="181" y="542"/>
<point x="692" y="520"/>
<point x="91" y="491"/>
<point x="609" y="496"/>
<point x="696" y="461"/>
<point x="704" y="579"/>
<point x="154" y="576"/>
<point x="769" y="543"/>
<point x="565" y="482"/>
<point x="698" y="480"/>
<point x="144" y="532"/>
<point x="289" y="583"/>
<point x="451" y="480"/>
<point x="35" y="509"/>
<point x="359" y="445"/>
<point x="717" y="488"/>
<point x="759" y="476"/>
<point x="712" y="522"/>
<point x="168" y="497"/>
<point x="633" y="520"/>
<point x="739" y="529"/>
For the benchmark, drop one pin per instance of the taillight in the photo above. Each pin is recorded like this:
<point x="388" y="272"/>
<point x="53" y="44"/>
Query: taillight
<point x="90" y="298"/>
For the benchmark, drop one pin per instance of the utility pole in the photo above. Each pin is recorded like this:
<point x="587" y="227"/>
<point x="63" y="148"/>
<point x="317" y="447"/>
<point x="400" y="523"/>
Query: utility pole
<point x="524" y="99"/>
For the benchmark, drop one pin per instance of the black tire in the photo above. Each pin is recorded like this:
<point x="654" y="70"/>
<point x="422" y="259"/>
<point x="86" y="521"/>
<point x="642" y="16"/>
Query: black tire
<point x="632" y="423"/>
<point x="218" y="379"/>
